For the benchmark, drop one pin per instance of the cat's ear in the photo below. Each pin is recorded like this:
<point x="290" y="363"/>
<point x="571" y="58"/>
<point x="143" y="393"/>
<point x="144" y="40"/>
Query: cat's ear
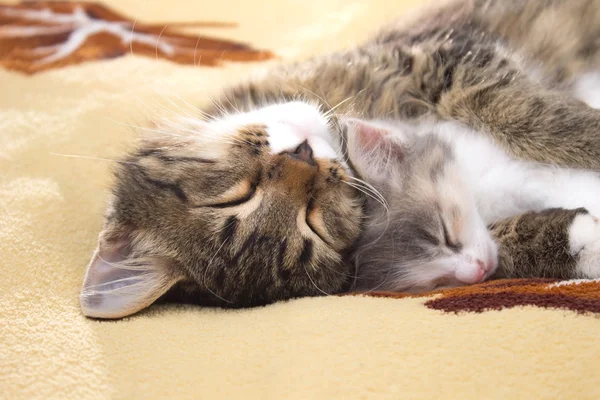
<point x="119" y="283"/>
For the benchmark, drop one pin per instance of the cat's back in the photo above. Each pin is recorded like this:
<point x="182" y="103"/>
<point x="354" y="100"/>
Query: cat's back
<point x="556" y="39"/>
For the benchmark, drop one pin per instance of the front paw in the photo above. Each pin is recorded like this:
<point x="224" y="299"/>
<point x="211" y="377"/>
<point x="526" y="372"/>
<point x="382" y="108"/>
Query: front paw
<point x="584" y="243"/>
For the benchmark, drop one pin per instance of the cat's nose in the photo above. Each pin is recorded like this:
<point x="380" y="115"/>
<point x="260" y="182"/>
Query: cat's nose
<point x="303" y="153"/>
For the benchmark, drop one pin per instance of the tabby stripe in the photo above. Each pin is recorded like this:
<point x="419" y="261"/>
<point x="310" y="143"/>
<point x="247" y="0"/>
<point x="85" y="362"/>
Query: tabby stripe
<point x="177" y="191"/>
<point x="249" y="241"/>
<point x="158" y="154"/>
<point x="230" y="228"/>
<point x="307" y="252"/>
<point x="184" y="159"/>
<point x="173" y="187"/>
<point x="283" y="273"/>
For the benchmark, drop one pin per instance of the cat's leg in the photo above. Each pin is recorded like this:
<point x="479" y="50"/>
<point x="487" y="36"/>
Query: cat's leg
<point x="560" y="37"/>
<point x="554" y="243"/>
<point x="491" y="93"/>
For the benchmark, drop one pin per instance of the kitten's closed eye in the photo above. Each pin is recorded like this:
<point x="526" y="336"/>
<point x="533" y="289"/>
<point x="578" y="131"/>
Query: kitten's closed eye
<point x="450" y="243"/>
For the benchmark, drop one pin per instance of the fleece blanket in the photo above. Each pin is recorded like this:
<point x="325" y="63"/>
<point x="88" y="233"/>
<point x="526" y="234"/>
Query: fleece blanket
<point x="75" y="79"/>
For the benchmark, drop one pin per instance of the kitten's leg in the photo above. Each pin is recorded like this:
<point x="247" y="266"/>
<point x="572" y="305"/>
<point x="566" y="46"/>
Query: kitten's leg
<point x="554" y="243"/>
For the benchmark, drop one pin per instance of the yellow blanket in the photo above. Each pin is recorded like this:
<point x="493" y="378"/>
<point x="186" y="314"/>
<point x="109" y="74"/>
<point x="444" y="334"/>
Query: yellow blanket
<point x="70" y="95"/>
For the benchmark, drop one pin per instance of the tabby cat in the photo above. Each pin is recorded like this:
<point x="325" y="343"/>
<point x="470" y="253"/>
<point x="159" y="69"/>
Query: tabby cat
<point x="260" y="202"/>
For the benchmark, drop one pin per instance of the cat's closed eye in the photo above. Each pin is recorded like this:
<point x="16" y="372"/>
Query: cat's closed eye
<point x="247" y="193"/>
<point x="312" y="220"/>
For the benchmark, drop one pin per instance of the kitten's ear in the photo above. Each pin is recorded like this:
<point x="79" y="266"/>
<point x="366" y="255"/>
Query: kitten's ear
<point x="117" y="284"/>
<point x="368" y="135"/>
<point x="374" y="148"/>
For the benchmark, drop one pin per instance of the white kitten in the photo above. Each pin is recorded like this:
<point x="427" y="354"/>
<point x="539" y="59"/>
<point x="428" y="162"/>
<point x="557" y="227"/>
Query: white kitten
<point x="444" y="184"/>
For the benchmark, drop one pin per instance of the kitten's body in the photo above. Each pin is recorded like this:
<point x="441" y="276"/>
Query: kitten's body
<point x="504" y="185"/>
<point x="444" y="186"/>
<point x="257" y="204"/>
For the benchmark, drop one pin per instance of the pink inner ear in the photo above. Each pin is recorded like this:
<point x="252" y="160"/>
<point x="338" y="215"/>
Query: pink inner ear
<point x="369" y="136"/>
<point x="378" y="147"/>
<point x="113" y="288"/>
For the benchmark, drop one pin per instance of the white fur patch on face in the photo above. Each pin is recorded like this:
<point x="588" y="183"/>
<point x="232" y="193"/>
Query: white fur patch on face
<point x="478" y="257"/>
<point x="480" y="253"/>
<point x="470" y="273"/>
<point x="288" y="125"/>
<point x="584" y="243"/>
<point x="478" y="263"/>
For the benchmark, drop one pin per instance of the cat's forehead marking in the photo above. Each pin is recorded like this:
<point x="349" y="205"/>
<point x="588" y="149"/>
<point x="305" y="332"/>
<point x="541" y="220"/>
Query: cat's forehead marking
<point x="257" y="130"/>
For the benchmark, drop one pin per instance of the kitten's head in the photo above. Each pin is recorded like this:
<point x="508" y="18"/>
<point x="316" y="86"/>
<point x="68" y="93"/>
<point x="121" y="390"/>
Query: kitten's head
<point x="430" y="233"/>
<point x="238" y="211"/>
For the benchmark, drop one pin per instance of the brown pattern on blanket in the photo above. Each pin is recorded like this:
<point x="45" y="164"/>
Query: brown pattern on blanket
<point x="580" y="296"/>
<point x="36" y="36"/>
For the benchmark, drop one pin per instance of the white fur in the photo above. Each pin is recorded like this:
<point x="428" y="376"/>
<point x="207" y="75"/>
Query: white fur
<point x="584" y="243"/>
<point x="288" y="125"/>
<point x="453" y="191"/>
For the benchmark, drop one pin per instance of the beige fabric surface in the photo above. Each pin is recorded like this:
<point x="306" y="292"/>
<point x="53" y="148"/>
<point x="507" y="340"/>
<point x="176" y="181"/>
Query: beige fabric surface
<point x="333" y="348"/>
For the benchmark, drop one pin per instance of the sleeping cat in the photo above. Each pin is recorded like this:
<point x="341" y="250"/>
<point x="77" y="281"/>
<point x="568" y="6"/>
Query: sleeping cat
<point x="444" y="184"/>
<point x="261" y="201"/>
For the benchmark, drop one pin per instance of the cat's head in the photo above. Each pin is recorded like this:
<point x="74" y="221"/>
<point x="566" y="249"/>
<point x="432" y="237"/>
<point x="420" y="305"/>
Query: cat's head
<point x="429" y="234"/>
<point x="237" y="211"/>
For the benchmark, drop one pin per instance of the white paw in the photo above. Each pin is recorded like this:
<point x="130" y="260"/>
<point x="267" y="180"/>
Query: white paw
<point x="584" y="243"/>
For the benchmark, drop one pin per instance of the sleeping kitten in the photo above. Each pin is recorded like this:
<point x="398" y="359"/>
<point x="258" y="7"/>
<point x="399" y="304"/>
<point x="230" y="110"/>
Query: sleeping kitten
<point x="443" y="184"/>
<point x="260" y="203"/>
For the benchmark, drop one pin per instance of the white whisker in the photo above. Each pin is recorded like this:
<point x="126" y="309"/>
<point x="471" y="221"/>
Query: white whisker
<point x="90" y="158"/>
<point x="313" y="282"/>
<point x="332" y="109"/>
<point x="207" y="268"/>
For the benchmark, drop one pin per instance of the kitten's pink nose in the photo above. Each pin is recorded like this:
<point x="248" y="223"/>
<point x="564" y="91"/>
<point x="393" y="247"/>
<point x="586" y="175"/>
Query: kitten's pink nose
<point x="480" y="263"/>
<point x="481" y="270"/>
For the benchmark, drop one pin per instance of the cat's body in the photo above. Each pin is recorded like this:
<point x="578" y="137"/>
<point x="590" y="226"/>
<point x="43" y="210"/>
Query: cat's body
<point x="508" y="69"/>
<point x="260" y="203"/>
